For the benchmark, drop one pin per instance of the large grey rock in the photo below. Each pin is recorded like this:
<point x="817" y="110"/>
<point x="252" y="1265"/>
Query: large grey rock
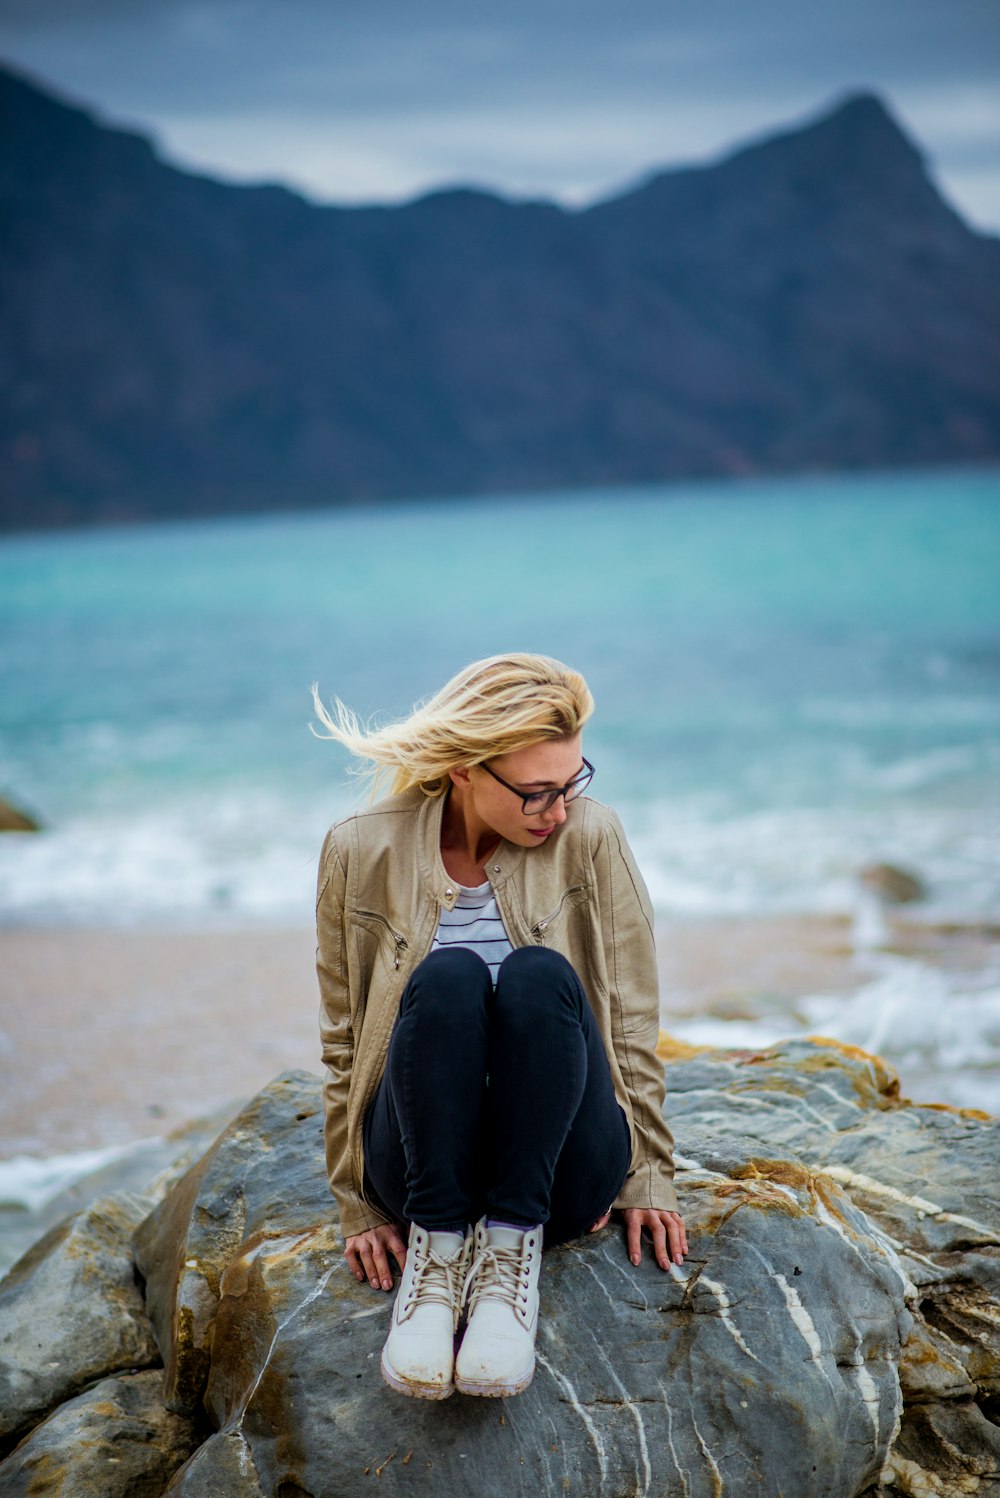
<point x="927" y="1180"/>
<point x="769" y="1360"/>
<point x="829" y="1221"/>
<point x="71" y="1311"/>
<point x="113" y="1441"/>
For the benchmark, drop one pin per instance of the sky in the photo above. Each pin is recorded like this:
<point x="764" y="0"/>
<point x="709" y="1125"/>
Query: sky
<point x="379" y="100"/>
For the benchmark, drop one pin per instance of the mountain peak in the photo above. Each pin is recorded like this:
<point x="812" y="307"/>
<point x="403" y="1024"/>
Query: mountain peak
<point x="856" y="135"/>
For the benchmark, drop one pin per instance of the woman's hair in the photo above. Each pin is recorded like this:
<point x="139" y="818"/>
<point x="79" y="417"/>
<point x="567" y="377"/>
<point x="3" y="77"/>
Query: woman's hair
<point x="493" y="707"/>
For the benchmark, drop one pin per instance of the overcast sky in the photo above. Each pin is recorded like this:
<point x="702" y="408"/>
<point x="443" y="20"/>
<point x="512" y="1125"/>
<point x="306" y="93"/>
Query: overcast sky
<point x="381" y="99"/>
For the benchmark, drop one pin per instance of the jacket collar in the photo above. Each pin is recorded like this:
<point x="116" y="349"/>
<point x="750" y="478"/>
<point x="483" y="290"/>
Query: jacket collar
<point x="503" y="861"/>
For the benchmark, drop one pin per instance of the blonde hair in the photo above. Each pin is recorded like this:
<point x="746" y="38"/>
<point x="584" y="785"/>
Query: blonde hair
<point x="493" y="707"/>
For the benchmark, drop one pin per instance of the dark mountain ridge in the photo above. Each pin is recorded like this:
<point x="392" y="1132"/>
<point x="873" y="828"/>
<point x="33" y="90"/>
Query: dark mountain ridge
<point x="174" y="345"/>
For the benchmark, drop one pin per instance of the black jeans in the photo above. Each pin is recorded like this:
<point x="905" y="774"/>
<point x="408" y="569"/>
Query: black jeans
<point x="497" y="1101"/>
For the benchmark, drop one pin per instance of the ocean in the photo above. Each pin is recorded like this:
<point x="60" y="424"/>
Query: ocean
<point x="794" y="678"/>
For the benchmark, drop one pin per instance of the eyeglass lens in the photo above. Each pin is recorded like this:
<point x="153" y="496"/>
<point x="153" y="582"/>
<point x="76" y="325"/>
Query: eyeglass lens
<point x="545" y="799"/>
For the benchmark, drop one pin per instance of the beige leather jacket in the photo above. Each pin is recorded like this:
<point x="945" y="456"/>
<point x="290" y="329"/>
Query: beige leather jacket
<point x="382" y="884"/>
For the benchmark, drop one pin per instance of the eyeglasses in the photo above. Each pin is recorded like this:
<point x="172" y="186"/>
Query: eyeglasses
<point x="533" y="802"/>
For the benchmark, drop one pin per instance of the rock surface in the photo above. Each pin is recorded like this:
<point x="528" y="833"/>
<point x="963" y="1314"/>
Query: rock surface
<point x="771" y="1357"/>
<point x="71" y="1311"/>
<point x="114" y="1441"/>
<point x="829" y="1222"/>
<point x="926" y="1179"/>
<point x="14" y="820"/>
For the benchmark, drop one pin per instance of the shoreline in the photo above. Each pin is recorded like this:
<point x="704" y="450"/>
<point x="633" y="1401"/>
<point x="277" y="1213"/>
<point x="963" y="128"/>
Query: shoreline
<point x="114" y="1035"/>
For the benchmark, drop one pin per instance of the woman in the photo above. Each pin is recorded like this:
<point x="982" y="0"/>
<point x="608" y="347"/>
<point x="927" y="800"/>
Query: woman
<point x="489" y="1019"/>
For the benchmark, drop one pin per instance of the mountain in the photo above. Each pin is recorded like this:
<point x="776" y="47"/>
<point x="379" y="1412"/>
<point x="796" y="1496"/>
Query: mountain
<point x="176" y="346"/>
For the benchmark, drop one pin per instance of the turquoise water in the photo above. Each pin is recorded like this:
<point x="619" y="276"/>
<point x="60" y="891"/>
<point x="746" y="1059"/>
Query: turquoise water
<point x="793" y="678"/>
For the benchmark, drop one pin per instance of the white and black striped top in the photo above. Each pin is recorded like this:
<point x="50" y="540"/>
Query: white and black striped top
<point x="474" y="922"/>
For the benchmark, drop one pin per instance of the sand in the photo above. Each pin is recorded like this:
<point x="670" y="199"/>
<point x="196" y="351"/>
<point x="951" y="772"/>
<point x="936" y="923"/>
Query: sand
<point x="108" y="1037"/>
<point x="111" y="1036"/>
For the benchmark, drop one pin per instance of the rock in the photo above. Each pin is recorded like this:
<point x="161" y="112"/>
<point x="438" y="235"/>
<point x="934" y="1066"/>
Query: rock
<point x="926" y="1179"/>
<point x="222" y="1466"/>
<point x="262" y="1183"/>
<point x="113" y="1441"/>
<point x="71" y="1311"/>
<point x="148" y="1169"/>
<point x="14" y="820"/>
<point x="893" y="885"/>
<point x="833" y="1334"/>
<point x="771" y="1357"/>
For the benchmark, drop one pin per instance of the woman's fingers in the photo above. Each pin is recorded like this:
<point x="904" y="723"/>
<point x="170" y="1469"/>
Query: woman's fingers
<point x="633" y="1235"/>
<point x="677" y="1236"/>
<point x="666" y="1230"/>
<point x="601" y="1222"/>
<point x="366" y="1255"/>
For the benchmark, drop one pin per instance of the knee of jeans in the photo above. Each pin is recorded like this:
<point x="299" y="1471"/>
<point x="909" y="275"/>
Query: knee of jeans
<point x="538" y="970"/>
<point x="447" y="973"/>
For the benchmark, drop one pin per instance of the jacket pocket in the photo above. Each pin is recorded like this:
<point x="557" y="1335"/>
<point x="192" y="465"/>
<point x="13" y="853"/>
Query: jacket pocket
<point x="392" y="943"/>
<point x="542" y="929"/>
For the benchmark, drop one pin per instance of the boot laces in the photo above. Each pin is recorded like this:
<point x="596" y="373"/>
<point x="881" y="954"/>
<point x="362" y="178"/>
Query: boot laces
<point x="436" y="1280"/>
<point x="499" y="1274"/>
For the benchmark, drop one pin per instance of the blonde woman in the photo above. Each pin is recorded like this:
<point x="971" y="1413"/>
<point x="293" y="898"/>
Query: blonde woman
<point x="488" y="1017"/>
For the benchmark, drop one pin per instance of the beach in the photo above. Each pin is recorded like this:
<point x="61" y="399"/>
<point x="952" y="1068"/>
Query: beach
<point x="113" y="1036"/>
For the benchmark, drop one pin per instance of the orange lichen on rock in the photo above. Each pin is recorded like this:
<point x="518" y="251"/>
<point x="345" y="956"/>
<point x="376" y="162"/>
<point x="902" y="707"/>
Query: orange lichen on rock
<point x="669" y="1048"/>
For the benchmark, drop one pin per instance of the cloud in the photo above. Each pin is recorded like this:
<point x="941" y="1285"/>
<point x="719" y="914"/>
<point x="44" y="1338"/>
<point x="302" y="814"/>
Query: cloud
<point x="568" y="98"/>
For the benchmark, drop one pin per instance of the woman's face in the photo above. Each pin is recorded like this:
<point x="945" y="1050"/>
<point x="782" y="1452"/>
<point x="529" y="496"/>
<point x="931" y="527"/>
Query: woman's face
<point x="539" y="767"/>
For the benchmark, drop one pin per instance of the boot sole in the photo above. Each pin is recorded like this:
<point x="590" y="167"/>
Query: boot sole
<point x="412" y="1388"/>
<point x="495" y="1389"/>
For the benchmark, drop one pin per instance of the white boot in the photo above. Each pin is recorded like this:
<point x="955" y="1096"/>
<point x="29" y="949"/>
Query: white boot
<point x="497" y="1355"/>
<point x="419" y="1355"/>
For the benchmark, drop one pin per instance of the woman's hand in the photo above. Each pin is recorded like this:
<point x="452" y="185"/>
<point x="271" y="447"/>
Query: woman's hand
<point x="666" y="1230"/>
<point x="367" y="1256"/>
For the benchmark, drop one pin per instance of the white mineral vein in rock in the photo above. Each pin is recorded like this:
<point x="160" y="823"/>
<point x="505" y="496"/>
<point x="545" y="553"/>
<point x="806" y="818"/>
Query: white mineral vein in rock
<point x="717" y="1486"/>
<point x="838" y="1097"/>
<point x="759" y="1100"/>
<point x="601" y="1286"/>
<point x="725" y="1305"/>
<point x="245" y="1459"/>
<point x="869" y="1395"/>
<point x="563" y="1383"/>
<point x="918" y="1203"/>
<point x="636" y="1413"/>
<point x="886" y="1247"/>
<point x="619" y="1265"/>
<point x="307" y="1300"/>
<point x="368" y="1311"/>
<point x="800" y="1316"/>
<point x="670" y="1442"/>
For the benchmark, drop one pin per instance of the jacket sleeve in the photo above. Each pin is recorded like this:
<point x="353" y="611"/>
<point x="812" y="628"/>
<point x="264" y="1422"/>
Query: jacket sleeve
<point x="337" y="1037"/>
<point x="630" y="955"/>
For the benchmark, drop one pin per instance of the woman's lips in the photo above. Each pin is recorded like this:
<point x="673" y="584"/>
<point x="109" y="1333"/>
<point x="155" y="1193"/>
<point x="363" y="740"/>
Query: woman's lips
<point x="541" y="831"/>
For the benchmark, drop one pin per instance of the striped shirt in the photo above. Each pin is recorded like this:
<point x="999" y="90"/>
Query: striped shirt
<point x="475" y="922"/>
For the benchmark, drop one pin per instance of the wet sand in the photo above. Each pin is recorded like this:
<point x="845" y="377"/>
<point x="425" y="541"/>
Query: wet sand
<point x="111" y="1036"/>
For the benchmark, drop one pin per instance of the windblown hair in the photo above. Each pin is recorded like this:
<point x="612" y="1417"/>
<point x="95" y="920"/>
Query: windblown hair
<point x="492" y="707"/>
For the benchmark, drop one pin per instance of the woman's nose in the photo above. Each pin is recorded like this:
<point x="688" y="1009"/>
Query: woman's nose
<point x="556" y="813"/>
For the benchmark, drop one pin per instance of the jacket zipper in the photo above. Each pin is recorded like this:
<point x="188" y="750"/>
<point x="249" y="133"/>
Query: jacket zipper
<point x="397" y="936"/>
<point x="540" y="927"/>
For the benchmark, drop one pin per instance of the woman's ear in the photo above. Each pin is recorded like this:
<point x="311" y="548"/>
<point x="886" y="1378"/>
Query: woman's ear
<point x="460" y="776"/>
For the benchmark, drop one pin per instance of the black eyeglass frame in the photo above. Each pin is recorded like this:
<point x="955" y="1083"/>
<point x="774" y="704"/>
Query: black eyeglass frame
<point x="550" y="797"/>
